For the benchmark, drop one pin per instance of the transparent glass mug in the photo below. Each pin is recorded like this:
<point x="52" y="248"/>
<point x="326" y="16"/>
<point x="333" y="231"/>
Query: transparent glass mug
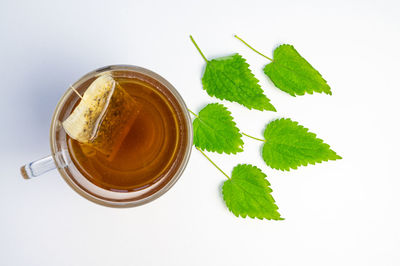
<point x="60" y="157"/>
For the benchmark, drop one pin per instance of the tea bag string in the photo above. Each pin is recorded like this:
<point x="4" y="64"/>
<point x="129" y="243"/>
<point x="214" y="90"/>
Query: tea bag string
<point x="77" y="93"/>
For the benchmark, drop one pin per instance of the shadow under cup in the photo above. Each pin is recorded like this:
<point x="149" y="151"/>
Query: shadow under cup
<point x="81" y="184"/>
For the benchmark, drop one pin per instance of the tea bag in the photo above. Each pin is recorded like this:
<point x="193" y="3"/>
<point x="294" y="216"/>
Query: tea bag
<point x="103" y="118"/>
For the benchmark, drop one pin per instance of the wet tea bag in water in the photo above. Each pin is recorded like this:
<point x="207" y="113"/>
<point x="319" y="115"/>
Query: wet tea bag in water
<point x="103" y="118"/>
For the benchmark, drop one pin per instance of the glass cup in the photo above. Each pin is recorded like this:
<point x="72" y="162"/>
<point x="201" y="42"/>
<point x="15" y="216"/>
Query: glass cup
<point x="60" y="157"/>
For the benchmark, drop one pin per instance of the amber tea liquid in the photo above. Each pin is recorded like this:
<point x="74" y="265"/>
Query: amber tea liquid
<point x="149" y="151"/>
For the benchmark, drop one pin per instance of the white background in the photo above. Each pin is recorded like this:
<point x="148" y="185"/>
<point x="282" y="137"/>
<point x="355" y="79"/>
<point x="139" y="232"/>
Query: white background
<point x="336" y="213"/>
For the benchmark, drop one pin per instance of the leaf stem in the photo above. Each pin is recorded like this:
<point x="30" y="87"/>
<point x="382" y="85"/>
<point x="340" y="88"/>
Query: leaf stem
<point x="248" y="45"/>
<point x="193" y="113"/>
<point x="213" y="163"/>
<point x="263" y="140"/>
<point x="198" y="49"/>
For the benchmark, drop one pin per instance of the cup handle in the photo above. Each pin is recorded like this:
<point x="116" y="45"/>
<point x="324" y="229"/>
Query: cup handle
<point x="38" y="167"/>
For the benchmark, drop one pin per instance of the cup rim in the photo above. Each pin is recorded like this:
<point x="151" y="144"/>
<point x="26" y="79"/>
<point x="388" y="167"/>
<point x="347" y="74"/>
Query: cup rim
<point x="122" y="204"/>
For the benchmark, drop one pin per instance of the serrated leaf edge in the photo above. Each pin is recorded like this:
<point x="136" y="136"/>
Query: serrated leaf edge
<point x="271" y="107"/>
<point x="250" y="216"/>
<point x="234" y="124"/>
<point x="294" y="94"/>
<point x="303" y="164"/>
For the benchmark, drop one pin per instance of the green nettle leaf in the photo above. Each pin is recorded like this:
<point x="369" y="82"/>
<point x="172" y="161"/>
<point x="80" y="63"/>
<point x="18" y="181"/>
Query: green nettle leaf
<point x="289" y="145"/>
<point x="290" y="72"/>
<point x="214" y="130"/>
<point x="229" y="78"/>
<point x="248" y="193"/>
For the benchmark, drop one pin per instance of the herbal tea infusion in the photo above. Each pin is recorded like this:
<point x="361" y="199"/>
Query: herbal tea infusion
<point x="137" y="141"/>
